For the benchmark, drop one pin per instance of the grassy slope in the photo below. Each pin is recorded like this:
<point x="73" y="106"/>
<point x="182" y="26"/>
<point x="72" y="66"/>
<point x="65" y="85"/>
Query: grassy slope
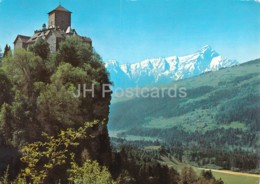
<point x="228" y="177"/>
<point x="229" y="84"/>
<point x="206" y="94"/>
<point x="236" y="178"/>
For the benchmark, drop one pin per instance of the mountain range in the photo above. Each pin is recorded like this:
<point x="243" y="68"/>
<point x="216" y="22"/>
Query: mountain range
<point x="166" y="69"/>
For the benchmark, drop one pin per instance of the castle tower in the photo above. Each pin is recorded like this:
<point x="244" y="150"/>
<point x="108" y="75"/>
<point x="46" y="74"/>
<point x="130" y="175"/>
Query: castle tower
<point x="60" y="18"/>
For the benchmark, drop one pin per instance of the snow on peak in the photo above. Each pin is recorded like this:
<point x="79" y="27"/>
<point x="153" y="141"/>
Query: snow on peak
<point x="206" y="47"/>
<point x="163" y="70"/>
<point x="111" y="62"/>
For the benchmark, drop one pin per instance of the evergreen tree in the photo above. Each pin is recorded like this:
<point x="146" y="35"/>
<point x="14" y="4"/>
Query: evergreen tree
<point x="6" y="128"/>
<point x="5" y="92"/>
<point x="188" y="176"/>
<point x="7" y="50"/>
<point x="1" y="55"/>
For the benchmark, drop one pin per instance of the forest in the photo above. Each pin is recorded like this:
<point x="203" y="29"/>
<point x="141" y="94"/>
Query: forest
<point x="48" y="136"/>
<point x="37" y="107"/>
<point x="216" y="126"/>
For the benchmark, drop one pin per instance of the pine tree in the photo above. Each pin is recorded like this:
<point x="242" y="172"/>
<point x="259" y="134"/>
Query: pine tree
<point x="187" y="176"/>
<point x="1" y="55"/>
<point x="5" y="124"/>
<point x="7" y="50"/>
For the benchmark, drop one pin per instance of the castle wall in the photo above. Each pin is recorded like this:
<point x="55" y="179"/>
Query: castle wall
<point x="51" y="40"/>
<point x="19" y="44"/>
<point x="52" y="20"/>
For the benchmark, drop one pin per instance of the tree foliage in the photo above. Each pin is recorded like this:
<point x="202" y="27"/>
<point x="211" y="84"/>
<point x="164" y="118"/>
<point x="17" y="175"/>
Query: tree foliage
<point x="42" y="157"/>
<point x="188" y="175"/>
<point x="40" y="48"/>
<point x="7" y="51"/>
<point x="5" y="93"/>
<point x="74" y="51"/>
<point x="24" y="69"/>
<point x="90" y="172"/>
<point x="54" y="151"/>
<point x="37" y="97"/>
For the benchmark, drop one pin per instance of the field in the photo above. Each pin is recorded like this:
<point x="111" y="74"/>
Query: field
<point x="229" y="177"/>
<point x="236" y="178"/>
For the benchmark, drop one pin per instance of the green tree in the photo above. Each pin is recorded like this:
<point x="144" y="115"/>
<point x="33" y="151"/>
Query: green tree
<point x="17" y="122"/>
<point x="42" y="157"/>
<point x="24" y="69"/>
<point x="6" y="128"/>
<point x="207" y="174"/>
<point x="57" y="108"/>
<point x="206" y="177"/>
<point x="7" y="50"/>
<point x="4" y="179"/>
<point x="90" y="172"/>
<point x="40" y="48"/>
<point x="5" y="93"/>
<point x="43" y="101"/>
<point x="1" y="55"/>
<point x="125" y="178"/>
<point x="74" y="51"/>
<point x="187" y="176"/>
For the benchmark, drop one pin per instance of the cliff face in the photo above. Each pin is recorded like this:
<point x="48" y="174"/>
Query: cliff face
<point x="99" y="146"/>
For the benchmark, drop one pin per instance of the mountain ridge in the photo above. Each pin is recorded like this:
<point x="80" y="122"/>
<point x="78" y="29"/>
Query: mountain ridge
<point x="166" y="69"/>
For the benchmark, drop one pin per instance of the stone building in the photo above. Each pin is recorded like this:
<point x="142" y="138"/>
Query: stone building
<point x="59" y="27"/>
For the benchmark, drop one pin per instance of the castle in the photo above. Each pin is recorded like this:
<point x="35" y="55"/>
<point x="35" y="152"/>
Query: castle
<point x="59" y="28"/>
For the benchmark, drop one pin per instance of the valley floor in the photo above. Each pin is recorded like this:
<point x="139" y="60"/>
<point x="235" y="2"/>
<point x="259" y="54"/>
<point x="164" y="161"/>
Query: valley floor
<point x="230" y="177"/>
<point x="234" y="173"/>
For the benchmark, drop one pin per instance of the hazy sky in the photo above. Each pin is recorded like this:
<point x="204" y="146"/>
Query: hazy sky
<point x="132" y="30"/>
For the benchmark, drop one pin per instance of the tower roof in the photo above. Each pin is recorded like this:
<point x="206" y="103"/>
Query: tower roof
<point x="60" y="8"/>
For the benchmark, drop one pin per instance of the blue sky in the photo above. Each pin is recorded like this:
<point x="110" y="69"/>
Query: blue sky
<point x="132" y="30"/>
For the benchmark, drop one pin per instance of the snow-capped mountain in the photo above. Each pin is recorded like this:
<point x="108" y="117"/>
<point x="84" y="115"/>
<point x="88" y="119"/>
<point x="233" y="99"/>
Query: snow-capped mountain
<point x="163" y="70"/>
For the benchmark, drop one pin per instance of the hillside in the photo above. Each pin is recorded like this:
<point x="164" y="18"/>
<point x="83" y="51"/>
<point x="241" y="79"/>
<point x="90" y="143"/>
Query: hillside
<point x="207" y="97"/>
<point x="218" y="120"/>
